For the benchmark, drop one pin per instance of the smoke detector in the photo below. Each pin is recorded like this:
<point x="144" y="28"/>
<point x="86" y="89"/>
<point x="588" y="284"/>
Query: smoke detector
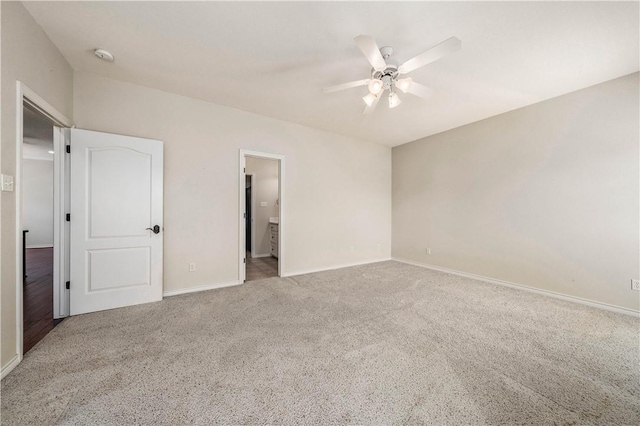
<point x="104" y="55"/>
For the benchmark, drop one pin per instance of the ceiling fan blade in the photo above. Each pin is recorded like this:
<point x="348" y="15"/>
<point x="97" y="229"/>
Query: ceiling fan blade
<point x="344" y="86"/>
<point x="369" y="109"/>
<point x="420" y="90"/>
<point x="448" y="46"/>
<point x="371" y="51"/>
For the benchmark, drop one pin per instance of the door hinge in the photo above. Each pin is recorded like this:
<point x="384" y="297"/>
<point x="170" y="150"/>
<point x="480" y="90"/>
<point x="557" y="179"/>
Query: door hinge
<point x="68" y="284"/>
<point x="244" y="260"/>
<point x="245" y="170"/>
<point x="245" y="215"/>
<point x="68" y="148"/>
<point x="68" y="217"/>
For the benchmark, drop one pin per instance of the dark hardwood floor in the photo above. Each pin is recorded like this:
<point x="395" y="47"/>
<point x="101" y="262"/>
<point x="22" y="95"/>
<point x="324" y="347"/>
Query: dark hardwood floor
<point x="38" y="297"/>
<point x="261" y="267"/>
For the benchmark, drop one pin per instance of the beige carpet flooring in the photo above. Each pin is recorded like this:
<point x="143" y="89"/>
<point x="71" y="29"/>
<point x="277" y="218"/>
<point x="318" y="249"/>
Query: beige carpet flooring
<point x="386" y="343"/>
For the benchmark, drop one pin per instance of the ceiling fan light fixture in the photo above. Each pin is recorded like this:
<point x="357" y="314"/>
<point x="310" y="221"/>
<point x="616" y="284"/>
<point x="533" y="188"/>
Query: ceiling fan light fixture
<point x="369" y="99"/>
<point x="394" y="100"/>
<point x="375" y="86"/>
<point x="404" y="84"/>
<point x="384" y="76"/>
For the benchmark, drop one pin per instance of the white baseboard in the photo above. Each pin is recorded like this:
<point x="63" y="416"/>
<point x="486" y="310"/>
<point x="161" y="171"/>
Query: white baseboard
<point x="330" y="268"/>
<point x="261" y="255"/>
<point x="199" y="288"/>
<point x="6" y="369"/>
<point x="550" y="293"/>
<point x="289" y="274"/>
<point x="37" y="246"/>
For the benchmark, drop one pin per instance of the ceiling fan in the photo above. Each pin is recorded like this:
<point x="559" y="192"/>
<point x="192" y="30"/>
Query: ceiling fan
<point x="385" y="76"/>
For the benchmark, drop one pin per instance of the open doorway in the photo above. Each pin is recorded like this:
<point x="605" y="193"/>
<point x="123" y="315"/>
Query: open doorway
<point x="38" y="226"/>
<point x="43" y="122"/>
<point x="261" y="212"/>
<point x="262" y="218"/>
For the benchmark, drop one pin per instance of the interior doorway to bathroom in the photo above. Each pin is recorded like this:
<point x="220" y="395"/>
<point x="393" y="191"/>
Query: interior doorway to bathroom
<point x="262" y="218"/>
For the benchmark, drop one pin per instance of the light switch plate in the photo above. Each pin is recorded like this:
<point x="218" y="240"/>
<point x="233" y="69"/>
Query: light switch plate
<point x="263" y="204"/>
<point x="7" y="183"/>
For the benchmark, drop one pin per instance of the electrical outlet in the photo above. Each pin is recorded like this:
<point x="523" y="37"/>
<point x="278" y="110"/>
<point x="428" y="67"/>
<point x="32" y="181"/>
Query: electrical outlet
<point x="427" y="250"/>
<point x="192" y="267"/>
<point x="635" y="285"/>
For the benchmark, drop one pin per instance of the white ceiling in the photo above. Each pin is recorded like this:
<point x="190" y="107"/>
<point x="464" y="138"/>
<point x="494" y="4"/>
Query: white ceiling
<point x="274" y="58"/>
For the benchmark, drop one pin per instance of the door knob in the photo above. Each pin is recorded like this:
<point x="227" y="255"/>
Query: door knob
<point x="155" y="229"/>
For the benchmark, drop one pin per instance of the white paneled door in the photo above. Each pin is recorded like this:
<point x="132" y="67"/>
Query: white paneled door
<point x="116" y="221"/>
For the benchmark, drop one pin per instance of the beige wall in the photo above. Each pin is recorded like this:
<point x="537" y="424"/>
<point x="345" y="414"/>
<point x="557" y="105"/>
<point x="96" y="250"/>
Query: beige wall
<point x="338" y="189"/>
<point x="37" y="201"/>
<point x="545" y="196"/>
<point x="29" y="56"/>
<point x="265" y="189"/>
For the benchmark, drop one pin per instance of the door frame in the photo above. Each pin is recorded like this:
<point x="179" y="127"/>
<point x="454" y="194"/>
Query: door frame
<point x="243" y="154"/>
<point x="60" y="121"/>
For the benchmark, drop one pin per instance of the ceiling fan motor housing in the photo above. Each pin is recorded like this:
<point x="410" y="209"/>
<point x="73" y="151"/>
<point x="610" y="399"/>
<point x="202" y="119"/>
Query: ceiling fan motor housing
<point x="387" y="76"/>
